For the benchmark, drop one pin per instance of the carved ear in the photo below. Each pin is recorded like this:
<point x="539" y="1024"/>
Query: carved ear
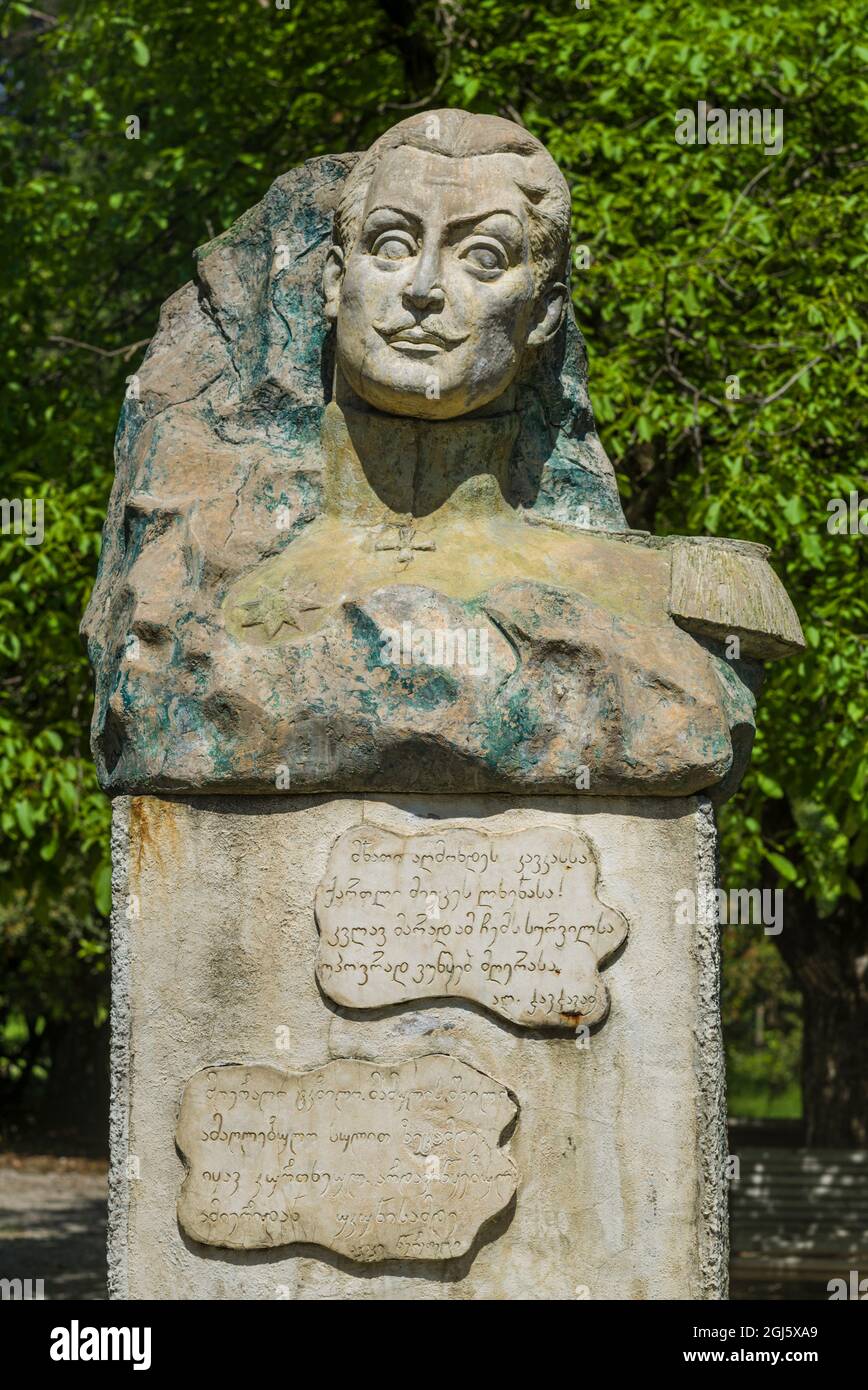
<point x="332" y="279"/>
<point x="548" y="316"/>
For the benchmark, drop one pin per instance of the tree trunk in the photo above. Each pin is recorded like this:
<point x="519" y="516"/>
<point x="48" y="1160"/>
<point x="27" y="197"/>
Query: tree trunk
<point x="828" y="958"/>
<point x="835" y="1069"/>
<point x="76" y="1100"/>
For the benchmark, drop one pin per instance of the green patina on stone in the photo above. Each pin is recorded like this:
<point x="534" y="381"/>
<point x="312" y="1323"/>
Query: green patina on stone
<point x="222" y="469"/>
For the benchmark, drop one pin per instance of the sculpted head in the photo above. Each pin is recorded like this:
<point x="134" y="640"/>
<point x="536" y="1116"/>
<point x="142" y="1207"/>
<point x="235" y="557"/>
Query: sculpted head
<point x="449" y="263"/>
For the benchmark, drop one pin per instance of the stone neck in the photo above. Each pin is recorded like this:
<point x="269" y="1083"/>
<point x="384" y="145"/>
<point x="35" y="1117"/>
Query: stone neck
<point x="385" y="468"/>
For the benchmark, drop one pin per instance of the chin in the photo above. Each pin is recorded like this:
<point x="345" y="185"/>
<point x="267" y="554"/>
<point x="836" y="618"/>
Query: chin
<point x="403" y="391"/>
<point x="411" y="402"/>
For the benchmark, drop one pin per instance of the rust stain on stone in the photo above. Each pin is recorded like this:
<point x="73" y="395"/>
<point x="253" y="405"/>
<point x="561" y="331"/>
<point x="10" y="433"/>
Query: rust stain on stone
<point x="153" y="830"/>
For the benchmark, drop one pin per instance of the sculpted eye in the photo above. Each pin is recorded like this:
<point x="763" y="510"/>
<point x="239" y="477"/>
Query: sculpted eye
<point x="393" y="246"/>
<point x="484" y="255"/>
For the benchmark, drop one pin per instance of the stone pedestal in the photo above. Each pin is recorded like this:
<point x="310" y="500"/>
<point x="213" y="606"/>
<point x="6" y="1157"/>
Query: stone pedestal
<point x="618" y="1145"/>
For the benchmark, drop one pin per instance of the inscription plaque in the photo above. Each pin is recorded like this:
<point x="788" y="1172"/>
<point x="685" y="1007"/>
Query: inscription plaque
<point x="511" y="920"/>
<point x="374" y="1161"/>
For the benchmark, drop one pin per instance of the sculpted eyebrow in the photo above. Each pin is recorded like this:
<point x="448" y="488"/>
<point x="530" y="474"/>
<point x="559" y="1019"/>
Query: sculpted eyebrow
<point x="475" y="218"/>
<point x="472" y="219"/>
<point x="387" y="207"/>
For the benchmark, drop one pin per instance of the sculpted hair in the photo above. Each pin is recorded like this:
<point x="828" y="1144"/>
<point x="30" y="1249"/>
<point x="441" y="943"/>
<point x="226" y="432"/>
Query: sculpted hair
<point x="460" y="135"/>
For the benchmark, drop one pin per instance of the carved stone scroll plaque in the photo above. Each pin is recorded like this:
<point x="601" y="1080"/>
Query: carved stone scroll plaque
<point x="373" y="1161"/>
<point x="510" y="920"/>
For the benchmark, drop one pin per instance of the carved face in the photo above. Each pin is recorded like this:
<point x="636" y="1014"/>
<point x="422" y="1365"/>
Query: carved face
<point x="437" y="302"/>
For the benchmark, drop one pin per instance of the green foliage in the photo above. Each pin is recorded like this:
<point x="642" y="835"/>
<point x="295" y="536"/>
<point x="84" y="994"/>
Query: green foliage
<point x="764" y="1027"/>
<point x="707" y="262"/>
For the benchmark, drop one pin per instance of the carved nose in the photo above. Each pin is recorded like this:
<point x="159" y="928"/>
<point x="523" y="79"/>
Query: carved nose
<point x="424" y="296"/>
<point x="424" y="292"/>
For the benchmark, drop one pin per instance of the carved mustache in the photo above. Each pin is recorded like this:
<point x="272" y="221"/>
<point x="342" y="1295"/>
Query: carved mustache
<point x="413" y="332"/>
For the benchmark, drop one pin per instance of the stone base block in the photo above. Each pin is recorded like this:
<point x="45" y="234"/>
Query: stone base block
<point x="617" y="1152"/>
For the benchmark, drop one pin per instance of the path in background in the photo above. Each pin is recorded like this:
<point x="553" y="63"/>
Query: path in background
<point x="52" y="1223"/>
<point x="53" y="1219"/>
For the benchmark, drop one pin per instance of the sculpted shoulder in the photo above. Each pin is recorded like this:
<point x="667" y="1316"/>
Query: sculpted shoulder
<point x="715" y="587"/>
<point x="723" y="588"/>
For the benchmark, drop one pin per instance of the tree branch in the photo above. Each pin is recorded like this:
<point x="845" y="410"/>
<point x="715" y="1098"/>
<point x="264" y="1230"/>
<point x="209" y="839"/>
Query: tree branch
<point x="124" y="352"/>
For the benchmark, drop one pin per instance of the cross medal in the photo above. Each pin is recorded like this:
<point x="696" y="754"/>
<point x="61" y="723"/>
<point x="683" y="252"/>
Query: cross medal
<point x="405" y="544"/>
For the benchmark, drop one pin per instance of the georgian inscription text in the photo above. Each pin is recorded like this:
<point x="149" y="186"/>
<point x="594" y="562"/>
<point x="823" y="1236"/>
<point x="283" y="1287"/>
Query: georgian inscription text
<point x="373" y="1161"/>
<point x="512" y="920"/>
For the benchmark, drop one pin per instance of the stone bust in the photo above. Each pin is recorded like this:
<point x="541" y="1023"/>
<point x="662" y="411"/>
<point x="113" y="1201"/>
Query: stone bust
<point x="363" y="534"/>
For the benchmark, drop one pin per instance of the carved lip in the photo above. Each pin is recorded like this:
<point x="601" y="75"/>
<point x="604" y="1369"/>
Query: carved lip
<point x="418" y="339"/>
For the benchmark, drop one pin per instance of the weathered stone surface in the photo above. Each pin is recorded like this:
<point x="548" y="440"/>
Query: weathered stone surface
<point x="320" y="448"/>
<point x="373" y="1161"/>
<point x="511" y="921"/>
<point x="620" y="1143"/>
<point x="724" y="589"/>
